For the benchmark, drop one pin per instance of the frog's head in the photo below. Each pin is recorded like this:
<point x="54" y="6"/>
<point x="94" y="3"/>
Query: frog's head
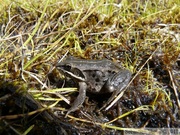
<point x="71" y="71"/>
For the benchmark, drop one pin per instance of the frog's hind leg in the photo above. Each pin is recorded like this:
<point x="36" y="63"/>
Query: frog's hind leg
<point x="80" y="98"/>
<point x="118" y="83"/>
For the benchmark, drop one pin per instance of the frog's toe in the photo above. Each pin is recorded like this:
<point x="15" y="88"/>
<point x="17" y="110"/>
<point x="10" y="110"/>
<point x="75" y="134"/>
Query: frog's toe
<point x="72" y="109"/>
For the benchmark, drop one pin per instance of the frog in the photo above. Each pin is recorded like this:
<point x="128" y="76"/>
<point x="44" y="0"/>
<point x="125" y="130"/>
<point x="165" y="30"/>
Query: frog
<point x="94" y="76"/>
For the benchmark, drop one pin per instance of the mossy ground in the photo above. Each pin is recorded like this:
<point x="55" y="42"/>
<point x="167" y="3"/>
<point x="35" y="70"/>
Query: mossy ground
<point x="142" y="36"/>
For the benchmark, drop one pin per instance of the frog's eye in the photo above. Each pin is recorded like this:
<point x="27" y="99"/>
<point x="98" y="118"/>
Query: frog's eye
<point x="66" y="68"/>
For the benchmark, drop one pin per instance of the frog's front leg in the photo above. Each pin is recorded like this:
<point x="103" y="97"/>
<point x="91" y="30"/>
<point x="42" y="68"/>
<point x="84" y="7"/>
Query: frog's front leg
<point x="116" y="84"/>
<point x="80" y="98"/>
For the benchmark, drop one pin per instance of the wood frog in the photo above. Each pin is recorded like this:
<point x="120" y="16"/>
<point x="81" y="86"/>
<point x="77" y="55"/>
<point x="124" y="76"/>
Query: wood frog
<point x="95" y="76"/>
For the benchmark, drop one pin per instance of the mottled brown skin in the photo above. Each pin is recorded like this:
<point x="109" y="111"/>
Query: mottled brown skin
<point x="95" y="76"/>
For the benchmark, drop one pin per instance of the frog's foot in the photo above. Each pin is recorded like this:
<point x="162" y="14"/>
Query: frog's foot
<point x="80" y="99"/>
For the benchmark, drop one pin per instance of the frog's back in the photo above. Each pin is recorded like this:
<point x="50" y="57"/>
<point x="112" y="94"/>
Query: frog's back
<point x="83" y="64"/>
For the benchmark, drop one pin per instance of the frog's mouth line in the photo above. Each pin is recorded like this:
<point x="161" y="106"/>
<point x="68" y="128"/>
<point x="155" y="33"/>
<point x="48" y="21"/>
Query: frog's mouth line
<point x="72" y="73"/>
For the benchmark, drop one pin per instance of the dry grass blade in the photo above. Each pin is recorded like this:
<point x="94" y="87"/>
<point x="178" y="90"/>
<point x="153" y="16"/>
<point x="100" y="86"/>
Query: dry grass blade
<point x="174" y="88"/>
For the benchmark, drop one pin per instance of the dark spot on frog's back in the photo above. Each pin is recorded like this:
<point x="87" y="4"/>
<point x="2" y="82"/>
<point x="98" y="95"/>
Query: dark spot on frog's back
<point x="97" y="80"/>
<point x="93" y="75"/>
